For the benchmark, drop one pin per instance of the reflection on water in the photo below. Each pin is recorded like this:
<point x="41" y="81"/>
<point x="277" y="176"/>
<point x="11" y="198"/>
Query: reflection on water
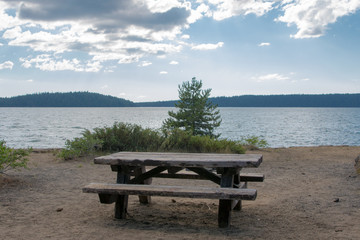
<point x="281" y="127"/>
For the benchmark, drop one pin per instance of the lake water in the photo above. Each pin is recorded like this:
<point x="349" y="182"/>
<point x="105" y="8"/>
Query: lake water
<point x="281" y="127"/>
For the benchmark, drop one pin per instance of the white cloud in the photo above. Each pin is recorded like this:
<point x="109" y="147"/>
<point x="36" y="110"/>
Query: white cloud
<point x="271" y="77"/>
<point x="173" y="63"/>
<point x="46" y="62"/>
<point x="105" y="86"/>
<point x="229" y="8"/>
<point x="145" y="64"/>
<point x="163" y="72"/>
<point x="6" y="65"/>
<point x="264" y="44"/>
<point x="156" y="6"/>
<point x="185" y="36"/>
<point x="12" y="33"/>
<point x="30" y="81"/>
<point x="7" y="21"/>
<point x="208" y="46"/>
<point x="199" y="12"/>
<point x="312" y="17"/>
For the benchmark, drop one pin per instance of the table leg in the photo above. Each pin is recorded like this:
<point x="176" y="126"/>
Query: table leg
<point x="225" y="205"/>
<point x="238" y="205"/>
<point x="121" y="203"/>
<point x="138" y="172"/>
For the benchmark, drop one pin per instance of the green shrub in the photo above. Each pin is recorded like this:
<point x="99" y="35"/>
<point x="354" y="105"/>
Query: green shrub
<point x="12" y="158"/>
<point x="84" y="146"/>
<point x="254" y="142"/>
<point x="131" y="137"/>
<point x="183" y="141"/>
<point x="128" y="137"/>
<point x="119" y="137"/>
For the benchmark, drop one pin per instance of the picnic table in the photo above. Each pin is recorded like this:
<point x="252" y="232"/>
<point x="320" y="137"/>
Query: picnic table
<point x="135" y="171"/>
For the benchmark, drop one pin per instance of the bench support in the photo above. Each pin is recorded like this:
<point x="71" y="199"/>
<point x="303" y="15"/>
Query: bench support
<point x="139" y="171"/>
<point x="121" y="203"/>
<point x="225" y="205"/>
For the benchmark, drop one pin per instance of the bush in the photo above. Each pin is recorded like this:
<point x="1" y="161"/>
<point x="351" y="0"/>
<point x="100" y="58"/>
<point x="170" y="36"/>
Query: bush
<point x="254" y="142"/>
<point x="79" y="147"/>
<point x="12" y="158"/>
<point x="119" y="137"/>
<point x="130" y="137"/>
<point x="183" y="141"/>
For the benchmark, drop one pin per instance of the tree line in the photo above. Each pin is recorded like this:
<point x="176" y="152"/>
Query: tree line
<point x="292" y="100"/>
<point x="70" y="99"/>
<point x="88" y="99"/>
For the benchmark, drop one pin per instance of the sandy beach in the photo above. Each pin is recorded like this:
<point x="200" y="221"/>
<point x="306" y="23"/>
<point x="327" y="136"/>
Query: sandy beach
<point x="308" y="193"/>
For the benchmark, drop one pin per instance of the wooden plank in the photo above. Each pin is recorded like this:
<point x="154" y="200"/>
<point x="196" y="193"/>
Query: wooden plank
<point x="245" y="177"/>
<point x="171" y="191"/>
<point x="252" y="177"/>
<point x="208" y="160"/>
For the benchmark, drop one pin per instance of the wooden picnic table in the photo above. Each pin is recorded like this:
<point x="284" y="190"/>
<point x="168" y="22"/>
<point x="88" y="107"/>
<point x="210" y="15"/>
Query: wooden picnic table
<point x="135" y="171"/>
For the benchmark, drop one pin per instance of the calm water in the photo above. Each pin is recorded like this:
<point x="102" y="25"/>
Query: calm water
<point x="281" y="127"/>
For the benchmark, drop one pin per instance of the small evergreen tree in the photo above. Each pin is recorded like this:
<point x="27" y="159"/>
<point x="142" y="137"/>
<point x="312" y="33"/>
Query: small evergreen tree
<point x="195" y="112"/>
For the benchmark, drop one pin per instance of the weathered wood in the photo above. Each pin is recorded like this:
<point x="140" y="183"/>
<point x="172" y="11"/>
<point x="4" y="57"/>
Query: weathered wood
<point x="245" y="177"/>
<point x="138" y="171"/>
<point x="171" y="191"/>
<point x="121" y="202"/>
<point x="207" y="160"/>
<point x="252" y="177"/>
<point x="225" y="205"/>
<point x="107" y="198"/>
<point x="206" y="174"/>
<point x="238" y="205"/>
<point x="141" y="178"/>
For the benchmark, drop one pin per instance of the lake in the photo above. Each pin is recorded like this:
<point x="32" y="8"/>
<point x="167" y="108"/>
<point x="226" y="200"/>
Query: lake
<point x="281" y="127"/>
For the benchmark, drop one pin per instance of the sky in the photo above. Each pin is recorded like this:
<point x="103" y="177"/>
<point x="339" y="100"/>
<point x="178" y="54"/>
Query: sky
<point x="142" y="50"/>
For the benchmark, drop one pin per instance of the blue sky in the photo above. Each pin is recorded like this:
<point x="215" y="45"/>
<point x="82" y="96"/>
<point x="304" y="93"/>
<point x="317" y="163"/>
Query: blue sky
<point x="142" y="50"/>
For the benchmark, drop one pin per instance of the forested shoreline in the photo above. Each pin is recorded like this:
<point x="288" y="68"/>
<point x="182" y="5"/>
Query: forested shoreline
<point x="89" y="99"/>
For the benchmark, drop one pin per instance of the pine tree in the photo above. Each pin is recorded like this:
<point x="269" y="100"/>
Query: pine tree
<point x="195" y="112"/>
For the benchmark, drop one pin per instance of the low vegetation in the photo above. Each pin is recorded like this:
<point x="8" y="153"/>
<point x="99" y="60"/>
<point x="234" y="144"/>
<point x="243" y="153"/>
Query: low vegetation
<point x="12" y="158"/>
<point x="131" y="137"/>
<point x="254" y="142"/>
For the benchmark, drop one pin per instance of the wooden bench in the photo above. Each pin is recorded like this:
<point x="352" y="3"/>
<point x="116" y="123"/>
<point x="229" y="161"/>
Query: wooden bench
<point x="105" y="190"/>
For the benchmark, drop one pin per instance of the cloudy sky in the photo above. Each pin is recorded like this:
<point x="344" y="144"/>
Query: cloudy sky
<point x="142" y="50"/>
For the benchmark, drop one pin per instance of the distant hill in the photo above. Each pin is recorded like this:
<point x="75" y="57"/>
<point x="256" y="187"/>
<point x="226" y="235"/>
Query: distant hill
<point x="88" y="99"/>
<point x="70" y="99"/>
<point x="294" y="100"/>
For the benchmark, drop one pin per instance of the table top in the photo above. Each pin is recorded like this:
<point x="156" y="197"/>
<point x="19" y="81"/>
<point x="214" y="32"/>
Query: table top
<point x="170" y="159"/>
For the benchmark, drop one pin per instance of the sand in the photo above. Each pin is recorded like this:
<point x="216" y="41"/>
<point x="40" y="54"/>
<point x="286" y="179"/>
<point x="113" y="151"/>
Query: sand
<point x="308" y="193"/>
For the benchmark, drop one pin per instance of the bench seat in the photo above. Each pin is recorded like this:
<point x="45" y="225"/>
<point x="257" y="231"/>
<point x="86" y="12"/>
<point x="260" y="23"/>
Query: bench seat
<point x="107" y="189"/>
